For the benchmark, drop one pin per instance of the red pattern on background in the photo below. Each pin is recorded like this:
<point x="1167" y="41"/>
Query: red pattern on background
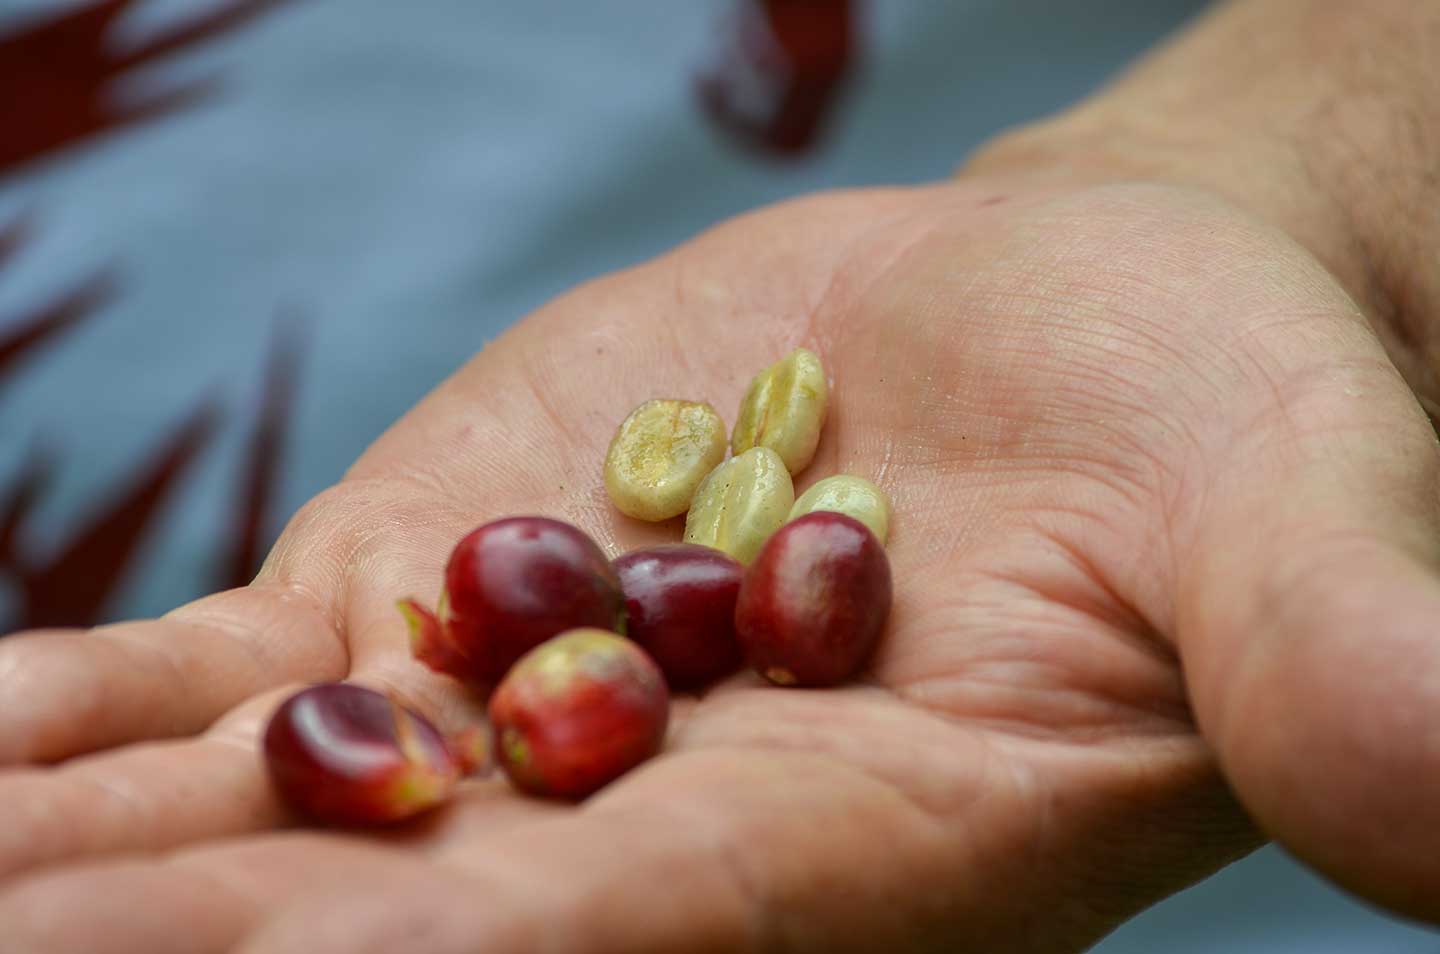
<point x="58" y="76"/>
<point x="24" y="336"/>
<point x="250" y="538"/>
<point x="58" y="81"/>
<point x="14" y="235"/>
<point x="19" y="500"/>
<point x="782" y="67"/>
<point x="72" y="587"/>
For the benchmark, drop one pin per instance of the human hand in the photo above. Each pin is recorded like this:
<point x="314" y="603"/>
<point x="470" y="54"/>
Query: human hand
<point x="1124" y="427"/>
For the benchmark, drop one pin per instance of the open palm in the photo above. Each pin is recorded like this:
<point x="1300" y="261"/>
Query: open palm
<point x="1124" y="428"/>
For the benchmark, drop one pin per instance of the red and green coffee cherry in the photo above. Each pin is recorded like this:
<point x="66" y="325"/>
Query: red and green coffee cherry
<point x="680" y="606"/>
<point x="509" y="586"/>
<point x="342" y="754"/>
<point x="813" y="603"/>
<point x="577" y="712"/>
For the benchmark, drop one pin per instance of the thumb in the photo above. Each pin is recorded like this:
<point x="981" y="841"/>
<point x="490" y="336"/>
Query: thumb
<point x="1308" y="617"/>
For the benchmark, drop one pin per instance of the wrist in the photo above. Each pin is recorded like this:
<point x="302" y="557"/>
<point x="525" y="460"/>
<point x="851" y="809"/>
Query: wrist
<point x="1318" y="116"/>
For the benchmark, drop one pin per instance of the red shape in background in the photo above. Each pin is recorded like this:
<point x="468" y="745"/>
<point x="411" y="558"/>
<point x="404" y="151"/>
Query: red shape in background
<point x="72" y="587"/>
<point x="782" y="67"/>
<point x="58" y="89"/>
<point x="13" y="236"/>
<point x="262" y="466"/>
<point x="20" y="499"/>
<point x="20" y="339"/>
<point x="57" y="75"/>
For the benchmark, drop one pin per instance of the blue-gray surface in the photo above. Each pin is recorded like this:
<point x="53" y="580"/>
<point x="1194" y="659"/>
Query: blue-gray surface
<point x="417" y="176"/>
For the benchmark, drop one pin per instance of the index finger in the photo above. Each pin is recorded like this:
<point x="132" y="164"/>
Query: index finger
<point x="67" y="692"/>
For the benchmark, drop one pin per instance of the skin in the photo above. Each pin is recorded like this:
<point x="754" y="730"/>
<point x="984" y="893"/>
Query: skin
<point x="1139" y="398"/>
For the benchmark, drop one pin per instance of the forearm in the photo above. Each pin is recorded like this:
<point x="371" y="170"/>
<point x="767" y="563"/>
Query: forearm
<point x="1322" y="116"/>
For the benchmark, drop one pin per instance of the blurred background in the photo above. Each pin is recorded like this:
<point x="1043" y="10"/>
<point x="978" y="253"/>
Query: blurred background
<point x="239" y="238"/>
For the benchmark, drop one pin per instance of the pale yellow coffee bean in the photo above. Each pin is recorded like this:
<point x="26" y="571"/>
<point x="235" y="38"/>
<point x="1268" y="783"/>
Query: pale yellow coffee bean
<point x="853" y="496"/>
<point x="660" y="454"/>
<point x="741" y="503"/>
<point x="784" y="410"/>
